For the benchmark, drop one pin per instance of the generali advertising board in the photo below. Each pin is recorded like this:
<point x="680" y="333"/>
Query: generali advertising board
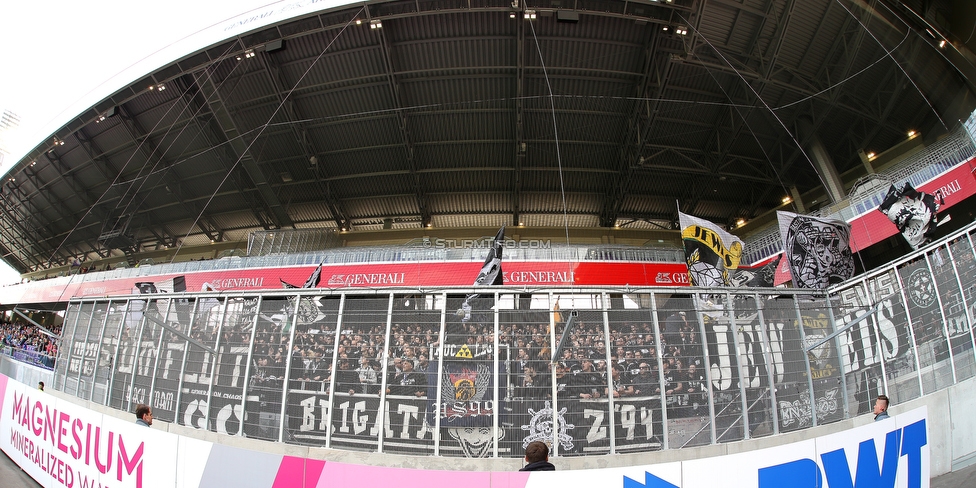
<point x="419" y="274"/>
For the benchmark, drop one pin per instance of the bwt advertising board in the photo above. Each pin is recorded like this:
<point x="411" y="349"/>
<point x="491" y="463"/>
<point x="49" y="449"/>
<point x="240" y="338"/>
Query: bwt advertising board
<point x="61" y="444"/>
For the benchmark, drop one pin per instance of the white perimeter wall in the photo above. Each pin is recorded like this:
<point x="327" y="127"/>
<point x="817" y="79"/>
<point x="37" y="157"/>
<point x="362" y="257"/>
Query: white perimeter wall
<point x="951" y="429"/>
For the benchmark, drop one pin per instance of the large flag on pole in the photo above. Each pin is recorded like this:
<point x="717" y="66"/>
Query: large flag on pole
<point x="913" y="212"/>
<point x="311" y="282"/>
<point x="762" y="277"/>
<point x="818" y="251"/>
<point x="181" y="308"/>
<point x="308" y="311"/>
<point x="712" y="253"/>
<point x="490" y="274"/>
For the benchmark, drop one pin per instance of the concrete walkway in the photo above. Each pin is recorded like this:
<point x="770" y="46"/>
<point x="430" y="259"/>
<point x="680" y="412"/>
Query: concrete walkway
<point x="12" y="476"/>
<point x="965" y="477"/>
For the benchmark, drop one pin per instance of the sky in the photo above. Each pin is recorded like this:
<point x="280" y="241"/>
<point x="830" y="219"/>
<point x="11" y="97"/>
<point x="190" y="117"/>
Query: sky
<point x="58" y="57"/>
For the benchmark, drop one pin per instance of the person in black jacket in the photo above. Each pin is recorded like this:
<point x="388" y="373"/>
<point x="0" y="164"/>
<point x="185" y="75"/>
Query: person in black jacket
<point x="537" y="455"/>
<point x="347" y="380"/>
<point x="587" y="383"/>
<point x="408" y="382"/>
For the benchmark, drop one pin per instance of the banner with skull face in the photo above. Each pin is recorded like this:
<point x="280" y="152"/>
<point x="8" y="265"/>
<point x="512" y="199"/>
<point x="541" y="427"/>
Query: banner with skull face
<point x="818" y="251"/>
<point x="913" y="212"/>
<point x="467" y="394"/>
<point x="711" y="253"/>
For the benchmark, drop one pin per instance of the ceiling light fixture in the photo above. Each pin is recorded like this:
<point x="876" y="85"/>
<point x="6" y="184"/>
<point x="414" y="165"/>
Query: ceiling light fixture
<point x="787" y="199"/>
<point x="375" y="24"/>
<point x="942" y="43"/>
<point x="912" y="133"/>
<point x="529" y="15"/>
<point x="870" y="155"/>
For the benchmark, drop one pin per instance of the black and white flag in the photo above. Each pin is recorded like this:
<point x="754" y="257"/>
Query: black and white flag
<point x="763" y="277"/>
<point x="818" y="251"/>
<point x="712" y="254"/>
<point x="311" y="282"/>
<point x="308" y="309"/>
<point x="491" y="274"/>
<point x="180" y="311"/>
<point x="913" y="212"/>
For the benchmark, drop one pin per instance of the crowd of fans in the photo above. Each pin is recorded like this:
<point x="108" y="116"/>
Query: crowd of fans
<point x="581" y="371"/>
<point x="359" y="359"/>
<point x="27" y="342"/>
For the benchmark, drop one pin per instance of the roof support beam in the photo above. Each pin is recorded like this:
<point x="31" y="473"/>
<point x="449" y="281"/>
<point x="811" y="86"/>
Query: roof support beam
<point x="423" y="205"/>
<point x="767" y="64"/>
<point x="655" y="75"/>
<point x="155" y="164"/>
<point x="25" y="215"/>
<point x="294" y="119"/>
<point x="520" y="144"/>
<point x="204" y="120"/>
<point x="52" y="202"/>
<point x="241" y="151"/>
<point x="18" y="241"/>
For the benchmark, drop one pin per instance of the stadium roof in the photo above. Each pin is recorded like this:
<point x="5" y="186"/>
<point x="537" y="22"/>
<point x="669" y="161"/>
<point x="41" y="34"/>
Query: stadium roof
<point x="457" y="113"/>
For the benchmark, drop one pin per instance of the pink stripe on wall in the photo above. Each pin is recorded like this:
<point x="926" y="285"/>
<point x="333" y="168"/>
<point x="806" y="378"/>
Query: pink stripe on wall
<point x="296" y="472"/>
<point x="360" y="476"/>
<point x="3" y="390"/>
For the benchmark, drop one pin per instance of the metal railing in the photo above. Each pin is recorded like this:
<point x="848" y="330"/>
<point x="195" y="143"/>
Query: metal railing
<point x="646" y="369"/>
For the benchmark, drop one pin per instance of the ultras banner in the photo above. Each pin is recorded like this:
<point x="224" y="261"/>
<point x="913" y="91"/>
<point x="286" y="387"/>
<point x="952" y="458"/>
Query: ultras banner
<point x="880" y="334"/>
<point x="467" y="389"/>
<point x="818" y="251"/>
<point x="913" y="212"/>
<point x="711" y="252"/>
<point x="924" y="311"/>
<point x="82" y="448"/>
<point x="355" y="422"/>
<point x="759" y="277"/>
<point x="582" y="426"/>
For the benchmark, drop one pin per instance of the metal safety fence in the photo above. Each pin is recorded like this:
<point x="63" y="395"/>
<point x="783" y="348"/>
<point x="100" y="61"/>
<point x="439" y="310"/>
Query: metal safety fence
<point x="400" y="371"/>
